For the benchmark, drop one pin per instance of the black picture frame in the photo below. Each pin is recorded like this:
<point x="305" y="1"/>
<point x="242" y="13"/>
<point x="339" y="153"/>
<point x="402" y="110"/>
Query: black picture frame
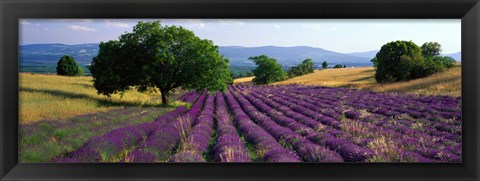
<point x="467" y="10"/>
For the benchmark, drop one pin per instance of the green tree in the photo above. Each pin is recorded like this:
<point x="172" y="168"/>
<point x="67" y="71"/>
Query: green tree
<point x="324" y="64"/>
<point x="430" y="49"/>
<point x="303" y="68"/>
<point x="67" y="66"/>
<point x="395" y="61"/>
<point x="159" y="58"/>
<point x="445" y="61"/>
<point x="267" y="70"/>
<point x="338" y="66"/>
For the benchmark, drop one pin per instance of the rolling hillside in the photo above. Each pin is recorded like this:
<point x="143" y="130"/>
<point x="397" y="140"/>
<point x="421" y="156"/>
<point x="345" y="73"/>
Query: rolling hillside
<point x="444" y="83"/>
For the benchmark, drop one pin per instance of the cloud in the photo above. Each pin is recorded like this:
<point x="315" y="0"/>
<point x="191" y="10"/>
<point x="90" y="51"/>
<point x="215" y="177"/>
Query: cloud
<point x="277" y="26"/>
<point x="231" y="22"/>
<point x="81" y="28"/>
<point x="116" y="24"/>
<point x="314" y="27"/>
<point x="45" y="29"/>
<point x="192" y="23"/>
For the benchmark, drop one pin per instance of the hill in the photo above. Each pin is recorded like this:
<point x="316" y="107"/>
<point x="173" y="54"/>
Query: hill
<point x="290" y="56"/>
<point x="370" y="54"/>
<point x="42" y="58"/>
<point x="443" y="83"/>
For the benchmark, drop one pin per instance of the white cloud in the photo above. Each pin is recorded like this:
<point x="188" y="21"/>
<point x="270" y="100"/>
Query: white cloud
<point x="117" y="24"/>
<point x="334" y="29"/>
<point x="193" y="23"/>
<point x="231" y="22"/>
<point x="277" y="26"/>
<point x="81" y="28"/>
<point x="314" y="27"/>
<point x="45" y="29"/>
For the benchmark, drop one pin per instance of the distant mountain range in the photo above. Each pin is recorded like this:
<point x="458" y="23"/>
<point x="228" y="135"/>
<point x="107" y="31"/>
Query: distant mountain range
<point x="370" y="54"/>
<point x="287" y="56"/>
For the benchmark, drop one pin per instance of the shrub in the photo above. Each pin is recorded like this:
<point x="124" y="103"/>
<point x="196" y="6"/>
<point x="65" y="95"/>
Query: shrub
<point x="67" y="66"/>
<point x="303" y="68"/>
<point x="338" y="66"/>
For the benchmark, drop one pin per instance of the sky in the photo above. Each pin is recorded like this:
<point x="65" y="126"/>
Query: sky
<point x="340" y="35"/>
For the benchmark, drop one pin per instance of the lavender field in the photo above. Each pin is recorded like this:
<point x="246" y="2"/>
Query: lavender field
<point x="289" y="123"/>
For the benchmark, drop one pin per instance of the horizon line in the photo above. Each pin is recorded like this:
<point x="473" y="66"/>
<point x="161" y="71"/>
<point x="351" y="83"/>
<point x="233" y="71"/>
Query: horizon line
<point x="459" y="51"/>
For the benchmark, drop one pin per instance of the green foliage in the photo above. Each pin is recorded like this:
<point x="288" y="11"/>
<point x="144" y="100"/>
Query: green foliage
<point x="267" y="70"/>
<point x="338" y="66"/>
<point x="67" y="66"/>
<point x="430" y="49"/>
<point x="395" y="60"/>
<point x="324" y="64"/>
<point x="303" y="68"/>
<point x="404" y="60"/>
<point x="445" y="61"/>
<point x="155" y="57"/>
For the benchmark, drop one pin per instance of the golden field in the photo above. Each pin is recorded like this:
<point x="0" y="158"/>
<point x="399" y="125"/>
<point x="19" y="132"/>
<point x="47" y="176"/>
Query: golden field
<point x="443" y="83"/>
<point x="55" y="97"/>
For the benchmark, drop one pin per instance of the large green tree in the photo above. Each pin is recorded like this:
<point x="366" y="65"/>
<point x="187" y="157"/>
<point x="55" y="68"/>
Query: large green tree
<point x="395" y="61"/>
<point x="67" y="66"/>
<point x="159" y="58"/>
<point x="267" y="70"/>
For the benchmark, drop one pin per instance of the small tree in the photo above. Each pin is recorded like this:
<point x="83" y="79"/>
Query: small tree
<point x="324" y="64"/>
<point x="267" y="70"/>
<point x="155" y="57"/>
<point x="338" y="66"/>
<point x="430" y="49"/>
<point x="303" y="68"/>
<point x="67" y="66"/>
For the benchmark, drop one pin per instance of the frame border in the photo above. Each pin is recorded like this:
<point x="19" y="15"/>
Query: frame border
<point x="467" y="10"/>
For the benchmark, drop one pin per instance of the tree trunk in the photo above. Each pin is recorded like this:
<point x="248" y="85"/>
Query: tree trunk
<point x="164" y="98"/>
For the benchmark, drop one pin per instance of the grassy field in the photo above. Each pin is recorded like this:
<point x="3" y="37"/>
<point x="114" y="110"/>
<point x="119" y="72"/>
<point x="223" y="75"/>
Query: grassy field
<point x="444" y="83"/>
<point x="44" y="140"/>
<point x="58" y="114"/>
<point x="52" y="97"/>
<point x="243" y="80"/>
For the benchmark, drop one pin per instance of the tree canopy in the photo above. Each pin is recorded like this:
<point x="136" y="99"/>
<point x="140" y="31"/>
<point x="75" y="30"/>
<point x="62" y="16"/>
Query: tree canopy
<point x="324" y="64"/>
<point x="404" y="60"/>
<point x="267" y="70"/>
<point x="303" y="68"/>
<point x="395" y="61"/>
<point x="430" y="49"/>
<point x="159" y="58"/>
<point x="67" y="66"/>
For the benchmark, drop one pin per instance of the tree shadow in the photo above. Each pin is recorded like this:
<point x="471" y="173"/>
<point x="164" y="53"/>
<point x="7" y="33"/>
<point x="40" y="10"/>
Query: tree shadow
<point x="89" y="86"/>
<point x="100" y="101"/>
<point x="363" y="79"/>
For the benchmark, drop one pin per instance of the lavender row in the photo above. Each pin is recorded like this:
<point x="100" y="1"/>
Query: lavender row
<point x="103" y="148"/>
<point x="229" y="146"/>
<point x="266" y="145"/>
<point x="446" y="153"/>
<point x="309" y="151"/>
<point x="192" y="148"/>
<point x="349" y="151"/>
<point x="159" y="145"/>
